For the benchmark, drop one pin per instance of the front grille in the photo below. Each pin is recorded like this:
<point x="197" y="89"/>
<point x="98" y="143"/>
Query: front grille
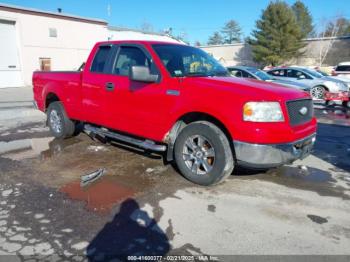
<point x="296" y="108"/>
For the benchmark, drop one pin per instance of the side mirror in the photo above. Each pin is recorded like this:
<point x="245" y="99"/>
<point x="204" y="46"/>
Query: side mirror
<point x="142" y="74"/>
<point x="301" y="77"/>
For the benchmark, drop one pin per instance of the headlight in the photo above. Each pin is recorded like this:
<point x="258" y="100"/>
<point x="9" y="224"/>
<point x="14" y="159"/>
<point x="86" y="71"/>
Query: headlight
<point x="262" y="112"/>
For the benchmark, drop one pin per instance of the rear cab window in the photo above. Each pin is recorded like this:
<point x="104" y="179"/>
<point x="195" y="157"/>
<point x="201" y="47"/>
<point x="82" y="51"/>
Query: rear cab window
<point x="101" y="58"/>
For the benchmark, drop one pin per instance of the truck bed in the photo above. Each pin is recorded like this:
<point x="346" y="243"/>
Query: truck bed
<point x="45" y="81"/>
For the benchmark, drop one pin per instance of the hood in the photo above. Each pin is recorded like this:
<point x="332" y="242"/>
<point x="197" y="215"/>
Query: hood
<point x="332" y="79"/>
<point x="251" y="88"/>
<point x="340" y="78"/>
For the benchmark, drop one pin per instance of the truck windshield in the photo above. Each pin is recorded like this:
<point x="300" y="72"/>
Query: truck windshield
<point x="183" y="60"/>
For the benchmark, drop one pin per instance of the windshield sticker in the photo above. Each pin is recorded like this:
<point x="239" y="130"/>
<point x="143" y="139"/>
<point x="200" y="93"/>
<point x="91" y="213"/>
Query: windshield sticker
<point x="178" y="72"/>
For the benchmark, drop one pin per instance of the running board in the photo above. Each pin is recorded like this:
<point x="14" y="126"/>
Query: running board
<point x="146" y="144"/>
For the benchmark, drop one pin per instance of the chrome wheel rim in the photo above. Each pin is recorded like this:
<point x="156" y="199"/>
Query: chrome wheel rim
<point x="199" y="155"/>
<point x="55" y="121"/>
<point x="317" y="92"/>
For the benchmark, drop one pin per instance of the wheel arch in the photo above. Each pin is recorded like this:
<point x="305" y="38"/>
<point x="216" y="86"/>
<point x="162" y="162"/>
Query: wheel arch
<point x="321" y="85"/>
<point x="50" y="98"/>
<point x="185" y="120"/>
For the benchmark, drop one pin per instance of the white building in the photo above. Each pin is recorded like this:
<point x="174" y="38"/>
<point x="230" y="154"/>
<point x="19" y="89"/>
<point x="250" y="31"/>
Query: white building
<point x="119" y="33"/>
<point x="33" y="39"/>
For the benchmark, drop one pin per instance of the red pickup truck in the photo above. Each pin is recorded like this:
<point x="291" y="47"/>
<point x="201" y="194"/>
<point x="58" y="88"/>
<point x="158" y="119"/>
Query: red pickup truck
<point x="179" y="100"/>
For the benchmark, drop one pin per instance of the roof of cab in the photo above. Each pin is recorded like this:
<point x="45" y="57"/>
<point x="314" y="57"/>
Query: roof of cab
<point x="146" y="42"/>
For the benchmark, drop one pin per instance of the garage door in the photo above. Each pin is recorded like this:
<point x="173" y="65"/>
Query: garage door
<point x="10" y="72"/>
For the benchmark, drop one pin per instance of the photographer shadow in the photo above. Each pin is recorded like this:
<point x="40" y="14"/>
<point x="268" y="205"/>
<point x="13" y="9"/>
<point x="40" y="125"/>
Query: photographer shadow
<point x="131" y="233"/>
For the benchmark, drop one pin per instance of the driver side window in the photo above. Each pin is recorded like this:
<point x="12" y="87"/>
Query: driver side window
<point x="130" y="56"/>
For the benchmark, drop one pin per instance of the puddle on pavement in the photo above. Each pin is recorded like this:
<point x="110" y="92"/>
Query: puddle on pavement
<point x="56" y="146"/>
<point x="33" y="147"/>
<point x="24" y="148"/>
<point x="311" y="179"/>
<point x="303" y="175"/>
<point x="333" y="115"/>
<point x="101" y="195"/>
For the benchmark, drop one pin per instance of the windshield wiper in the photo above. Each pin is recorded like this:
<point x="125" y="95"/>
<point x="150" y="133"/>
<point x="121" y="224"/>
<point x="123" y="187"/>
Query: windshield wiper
<point x="199" y="74"/>
<point x="221" y="73"/>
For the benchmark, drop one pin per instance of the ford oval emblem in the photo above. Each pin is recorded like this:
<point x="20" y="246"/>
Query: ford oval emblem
<point x="303" y="110"/>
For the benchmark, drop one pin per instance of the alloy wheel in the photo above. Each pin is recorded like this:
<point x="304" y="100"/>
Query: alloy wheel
<point x="199" y="155"/>
<point x="317" y="92"/>
<point x="55" y="122"/>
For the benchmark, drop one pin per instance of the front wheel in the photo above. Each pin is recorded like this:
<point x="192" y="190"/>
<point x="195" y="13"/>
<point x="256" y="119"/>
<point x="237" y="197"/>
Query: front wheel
<point x="203" y="154"/>
<point x="318" y="92"/>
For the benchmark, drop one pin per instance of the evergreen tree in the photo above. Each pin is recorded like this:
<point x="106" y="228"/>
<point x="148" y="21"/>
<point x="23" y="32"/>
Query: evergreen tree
<point x="232" y="32"/>
<point x="215" y="39"/>
<point x="277" y="37"/>
<point x="304" y="19"/>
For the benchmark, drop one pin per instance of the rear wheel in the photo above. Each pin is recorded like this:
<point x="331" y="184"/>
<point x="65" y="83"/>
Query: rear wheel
<point x="318" y="92"/>
<point x="203" y="154"/>
<point x="59" y="123"/>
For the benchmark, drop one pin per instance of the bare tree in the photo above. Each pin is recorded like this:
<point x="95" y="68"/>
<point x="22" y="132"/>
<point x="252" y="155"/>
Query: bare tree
<point x="147" y="27"/>
<point x="325" y="46"/>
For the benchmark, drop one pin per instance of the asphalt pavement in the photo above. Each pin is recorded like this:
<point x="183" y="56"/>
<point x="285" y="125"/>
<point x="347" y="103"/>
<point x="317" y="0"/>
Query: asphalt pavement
<point x="141" y="205"/>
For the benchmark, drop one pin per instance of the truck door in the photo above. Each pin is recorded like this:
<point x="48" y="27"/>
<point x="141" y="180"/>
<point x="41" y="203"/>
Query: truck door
<point x="95" y="84"/>
<point x="137" y="107"/>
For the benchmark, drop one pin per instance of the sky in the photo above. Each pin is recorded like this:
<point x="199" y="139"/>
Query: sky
<point x="196" y="19"/>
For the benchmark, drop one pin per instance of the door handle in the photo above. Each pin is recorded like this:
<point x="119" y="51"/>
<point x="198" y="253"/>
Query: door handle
<point x="109" y="86"/>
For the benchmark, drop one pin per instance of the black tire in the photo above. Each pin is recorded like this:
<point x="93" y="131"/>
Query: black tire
<point x="330" y="103"/>
<point x="346" y="104"/>
<point x="66" y="126"/>
<point x="222" y="164"/>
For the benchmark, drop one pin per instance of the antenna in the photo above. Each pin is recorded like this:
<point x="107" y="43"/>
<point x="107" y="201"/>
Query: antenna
<point x="109" y="10"/>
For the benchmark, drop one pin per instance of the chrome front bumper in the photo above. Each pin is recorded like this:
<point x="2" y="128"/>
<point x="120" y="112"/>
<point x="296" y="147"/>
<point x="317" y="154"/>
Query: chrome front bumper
<point x="272" y="155"/>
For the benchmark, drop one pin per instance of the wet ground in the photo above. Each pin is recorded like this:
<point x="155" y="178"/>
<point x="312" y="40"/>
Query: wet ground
<point x="141" y="205"/>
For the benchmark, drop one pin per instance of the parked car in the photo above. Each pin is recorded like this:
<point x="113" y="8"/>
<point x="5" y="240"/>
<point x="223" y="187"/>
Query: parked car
<point x="342" y="70"/>
<point x="318" y="83"/>
<point x="346" y="80"/>
<point x="252" y="72"/>
<point x="178" y="100"/>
